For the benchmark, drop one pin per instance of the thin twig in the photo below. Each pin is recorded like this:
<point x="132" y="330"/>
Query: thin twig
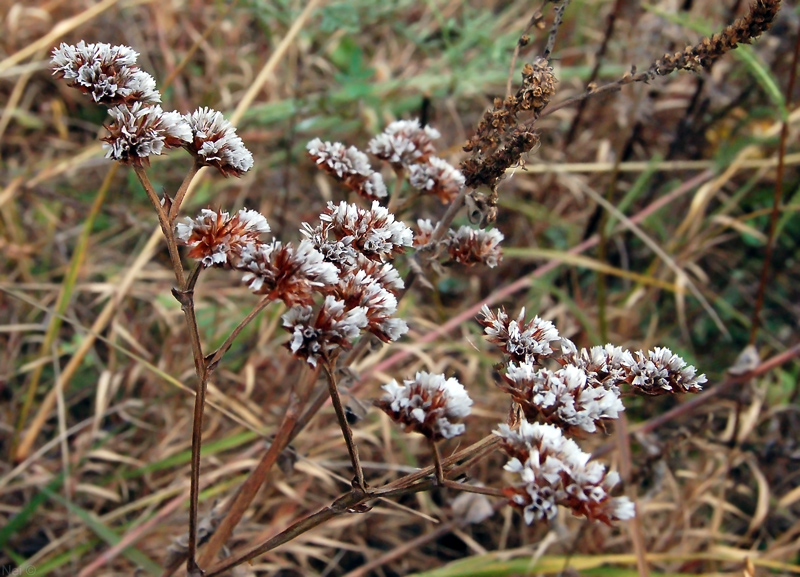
<point x="397" y="189"/>
<point x="437" y="462"/>
<point x="181" y="194"/>
<point x="214" y="358"/>
<point x="557" y="20"/>
<point x="347" y="432"/>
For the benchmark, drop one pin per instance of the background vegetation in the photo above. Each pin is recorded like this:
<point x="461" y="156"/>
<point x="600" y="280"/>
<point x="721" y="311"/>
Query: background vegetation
<point x="85" y="298"/>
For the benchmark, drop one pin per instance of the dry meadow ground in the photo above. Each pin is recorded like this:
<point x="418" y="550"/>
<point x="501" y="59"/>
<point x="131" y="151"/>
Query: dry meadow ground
<point x="642" y="218"/>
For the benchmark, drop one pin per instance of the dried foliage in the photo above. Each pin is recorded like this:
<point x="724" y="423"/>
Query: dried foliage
<point x="348" y="121"/>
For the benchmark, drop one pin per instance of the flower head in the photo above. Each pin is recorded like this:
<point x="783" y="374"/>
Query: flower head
<point x="470" y="246"/>
<point x="349" y="166"/>
<point x="107" y="73"/>
<point x="661" y="372"/>
<point x="140" y="131"/>
<point x="215" y="143"/>
<point x="426" y="229"/>
<point x="552" y="470"/>
<point x="605" y="366"/>
<point x="437" y="177"/>
<point x="428" y="404"/>
<point x="283" y="271"/>
<point x="374" y="232"/>
<point x="523" y="342"/>
<point x="565" y="398"/>
<point x="321" y="335"/>
<point x="404" y="143"/>
<point x="217" y="238"/>
<point x="358" y="288"/>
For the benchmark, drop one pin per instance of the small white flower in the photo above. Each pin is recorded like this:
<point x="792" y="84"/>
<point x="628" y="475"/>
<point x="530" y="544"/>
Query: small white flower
<point x="348" y="165"/>
<point x="215" y="143"/>
<point x="436" y="176"/>
<point x="427" y="404"/>
<point x="140" y="131"/>
<point x="523" y="342"/>
<point x="404" y="143"/>
<point x="374" y="232"/>
<point x="216" y="238"/>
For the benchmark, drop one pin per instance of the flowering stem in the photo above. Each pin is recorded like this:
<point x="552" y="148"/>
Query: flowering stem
<point x="215" y="358"/>
<point x="163" y="220"/>
<point x="247" y="491"/>
<point x="449" y="215"/>
<point x="181" y="194"/>
<point x="336" y="400"/>
<point x="437" y="463"/>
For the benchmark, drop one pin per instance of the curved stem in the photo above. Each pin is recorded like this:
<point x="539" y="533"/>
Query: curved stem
<point x="215" y="358"/>
<point x="181" y="194"/>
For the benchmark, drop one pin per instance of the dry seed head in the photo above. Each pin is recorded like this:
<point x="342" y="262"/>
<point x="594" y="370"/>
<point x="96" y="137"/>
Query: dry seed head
<point x="215" y="143"/>
<point x="428" y="404"/>
<point x="218" y="239"/>
<point x="140" y="131"/>
<point x="107" y="73"/>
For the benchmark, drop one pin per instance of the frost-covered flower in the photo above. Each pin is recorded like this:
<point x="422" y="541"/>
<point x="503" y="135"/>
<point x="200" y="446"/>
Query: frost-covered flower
<point x="604" y="365"/>
<point x="661" y="372"/>
<point x="349" y="166"/>
<point x="140" y="131"/>
<point x="322" y="334"/>
<point x="436" y="176"/>
<point x="215" y="143"/>
<point x="218" y="239"/>
<point x="283" y="271"/>
<point x="374" y="232"/>
<point x="404" y="142"/>
<point x="565" y="398"/>
<point x="469" y="246"/>
<point x="426" y="228"/>
<point x="427" y="404"/>
<point x="523" y="342"/>
<point x="358" y="288"/>
<point x="657" y="372"/>
<point x="552" y="470"/>
<point x="107" y="73"/>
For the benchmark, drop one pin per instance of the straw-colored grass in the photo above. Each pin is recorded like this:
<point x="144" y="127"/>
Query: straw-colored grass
<point x="96" y="371"/>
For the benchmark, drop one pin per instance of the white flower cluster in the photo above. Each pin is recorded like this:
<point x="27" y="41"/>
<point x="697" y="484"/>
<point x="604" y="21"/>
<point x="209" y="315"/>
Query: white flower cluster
<point x="437" y="176"/>
<point x="428" y="404"/>
<point x="139" y="131"/>
<point x="374" y="232"/>
<point x="216" y="238"/>
<point x="283" y="271"/>
<point x="108" y="73"/>
<point x="321" y="335"/>
<point x="524" y="343"/>
<point x="350" y="166"/>
<point x="661" y="371"/>
<point x="140" y="128"/>
<point x="215" y="142"/>
<point x="566" y="397"/>
<point x="358" y="287"/>
<point x="470" y="246"/>
<point x="552" y="470"/>
<point x="404" y="143"/>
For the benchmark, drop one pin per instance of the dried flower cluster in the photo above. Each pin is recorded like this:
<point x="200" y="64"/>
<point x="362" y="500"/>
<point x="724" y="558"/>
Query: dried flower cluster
<point x="107" y="73"/>
<point x="218" y="239"/>
<point x="428" y="404"/>
<point x="500" y="141"/>
<point x="709" y="50"/>
<point x="576" y="398"/>
<point x="467" y="246"/>
<point x="139" y="127"/>
<point x="552" y="470"/>
<point x="349" y="166"/>
<point x="406" y="146"/>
